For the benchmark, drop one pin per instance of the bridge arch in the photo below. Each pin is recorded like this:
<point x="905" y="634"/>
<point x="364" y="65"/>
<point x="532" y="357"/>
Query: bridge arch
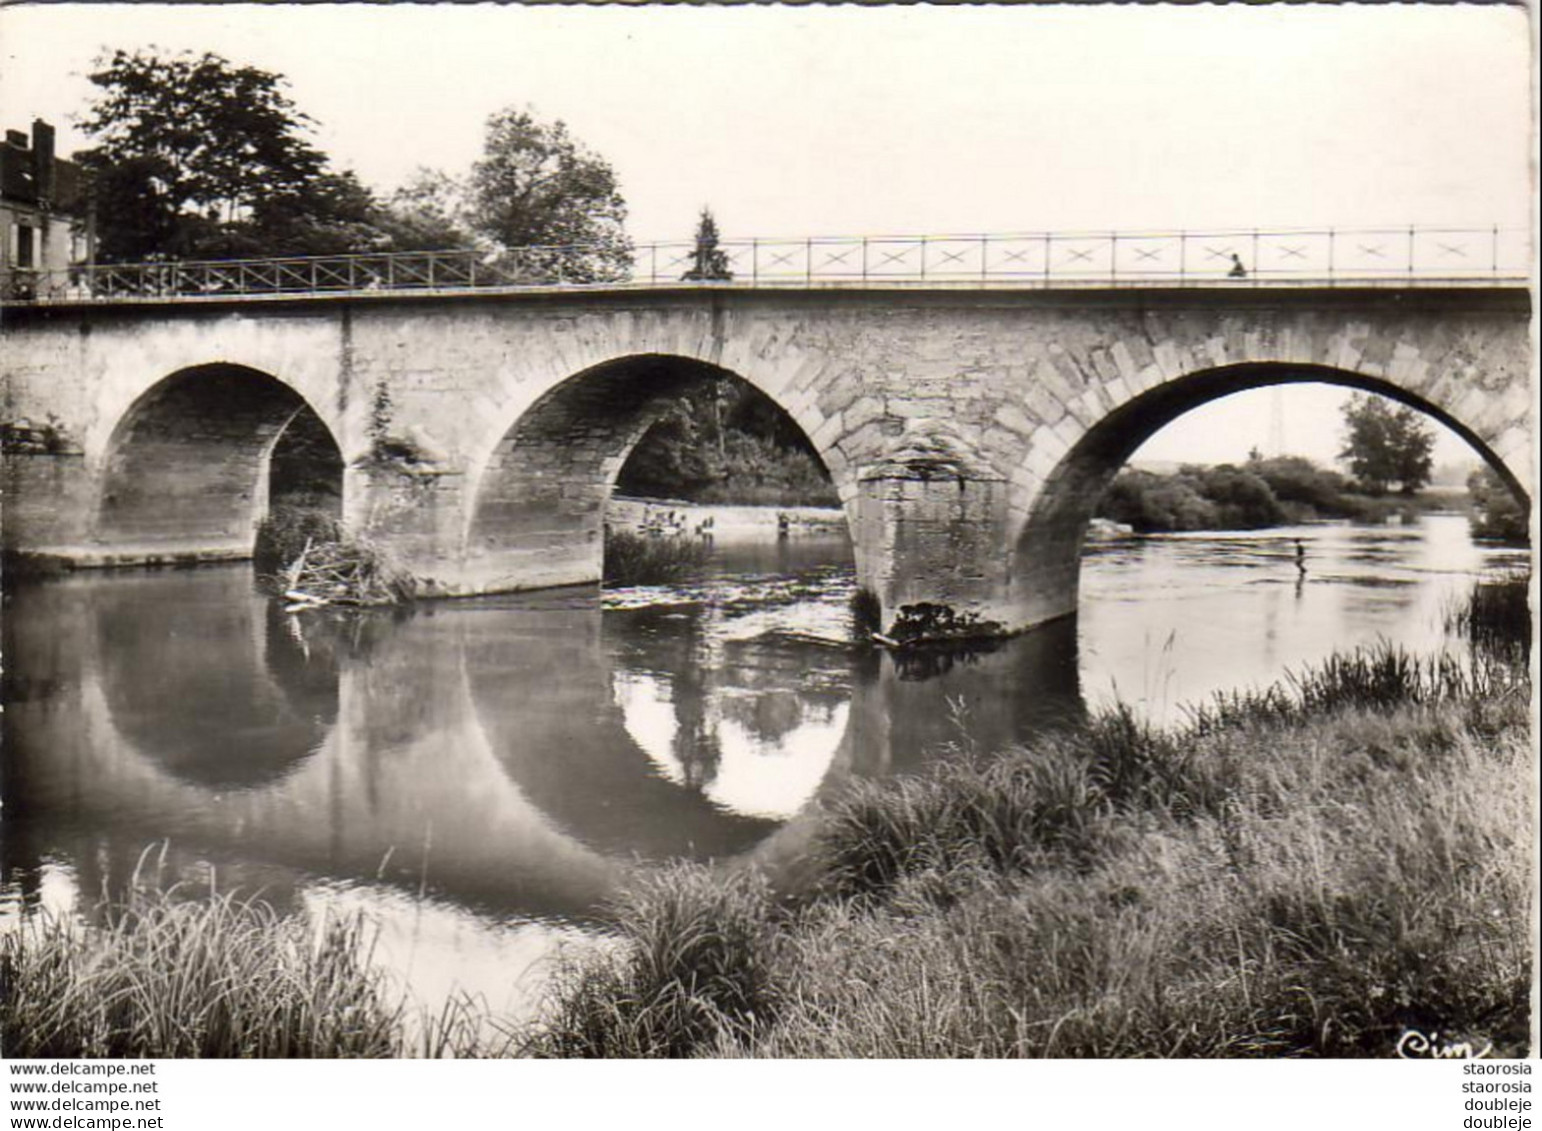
<point x="1046" y="550"/>
<point x="184" y="472"/>
<point x="538" y="505"/>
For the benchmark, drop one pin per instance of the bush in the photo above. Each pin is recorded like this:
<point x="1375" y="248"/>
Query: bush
<point x="1157" y="503"/>
<point x="687" y="967"/>
<point x="1244" y="500"/>
<point x="1314" y="871"/>
<point x="1266" y="492"/>
<point x="1298" y="481"/>
<point x="1497" y="515"/>
<point x="651" y="559"/>
<point x="307" y="557"/>
<point x="286" y="531"/>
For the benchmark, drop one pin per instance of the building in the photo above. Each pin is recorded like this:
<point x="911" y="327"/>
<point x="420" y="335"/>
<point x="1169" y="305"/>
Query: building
<point x="43" y="213"/>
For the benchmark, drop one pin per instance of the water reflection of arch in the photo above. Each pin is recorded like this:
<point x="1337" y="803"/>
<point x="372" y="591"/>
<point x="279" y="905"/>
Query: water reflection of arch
<point x="544" y="698"/>
<point x="909" y="713"/>
<point x="1047" y="549"/>
<point x="722" y="701"/>
<point x="209" y="714"/>
<point x="383" y="796"/>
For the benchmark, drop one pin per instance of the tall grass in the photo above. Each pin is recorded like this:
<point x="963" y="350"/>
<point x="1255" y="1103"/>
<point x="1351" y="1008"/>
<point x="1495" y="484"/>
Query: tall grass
<point x="1495" y="618"/>
<point x="645" y="559"/>
<point x="169" y="975"/>
<point x="1307" y="871"/>
<point x="685" y="969"/>
<point x="285" y="531"/>
<point x="184" y="978"/>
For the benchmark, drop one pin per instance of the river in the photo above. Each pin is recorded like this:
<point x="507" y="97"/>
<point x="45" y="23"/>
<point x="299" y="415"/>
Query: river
<point x="477" y="775"/>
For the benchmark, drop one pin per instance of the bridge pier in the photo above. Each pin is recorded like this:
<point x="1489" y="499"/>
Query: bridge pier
<point x="968" y="433"/>
<point x="931" y="529"/>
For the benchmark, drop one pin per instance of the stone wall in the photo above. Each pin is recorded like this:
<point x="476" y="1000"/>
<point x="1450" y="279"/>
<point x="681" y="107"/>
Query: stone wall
<point x="967" y="432"/>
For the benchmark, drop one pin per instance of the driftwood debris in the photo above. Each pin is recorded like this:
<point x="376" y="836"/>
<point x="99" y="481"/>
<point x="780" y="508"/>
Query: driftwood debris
<point x="339" y="573"/>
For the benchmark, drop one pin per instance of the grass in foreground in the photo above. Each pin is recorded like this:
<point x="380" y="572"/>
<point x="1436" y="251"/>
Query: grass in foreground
<point x="207" y="978"/>
<point x="1309" y="871"/>
<point x="216" y="977"/>
<point x="1305" y="871"/>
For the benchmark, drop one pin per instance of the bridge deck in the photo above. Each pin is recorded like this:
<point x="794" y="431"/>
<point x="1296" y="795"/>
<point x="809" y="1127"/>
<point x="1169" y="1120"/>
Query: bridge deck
<point x="1218" y="286"/>
<point x="1292" y="258"/>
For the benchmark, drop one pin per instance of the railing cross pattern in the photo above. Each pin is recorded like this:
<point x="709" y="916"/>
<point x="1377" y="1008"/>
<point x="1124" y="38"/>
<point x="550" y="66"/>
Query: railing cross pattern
<point x="1034" y="259"/>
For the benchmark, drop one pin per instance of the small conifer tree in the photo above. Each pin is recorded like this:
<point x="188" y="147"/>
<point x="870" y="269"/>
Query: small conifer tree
<point x="708" y="260"/>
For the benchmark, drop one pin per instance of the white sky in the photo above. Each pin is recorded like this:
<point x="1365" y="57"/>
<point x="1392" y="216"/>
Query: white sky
<point x="808" y="121"/>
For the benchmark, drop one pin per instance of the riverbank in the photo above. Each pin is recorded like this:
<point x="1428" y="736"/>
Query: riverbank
<point x="1258" y="495"/>
<point x="1314" y="869"/>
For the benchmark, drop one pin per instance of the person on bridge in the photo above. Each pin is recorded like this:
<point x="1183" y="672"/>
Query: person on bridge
<point x="1237" y="270"/>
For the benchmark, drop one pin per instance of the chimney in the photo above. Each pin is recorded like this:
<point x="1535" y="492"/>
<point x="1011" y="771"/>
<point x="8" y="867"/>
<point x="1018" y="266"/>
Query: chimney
<point x="43" y="156"/>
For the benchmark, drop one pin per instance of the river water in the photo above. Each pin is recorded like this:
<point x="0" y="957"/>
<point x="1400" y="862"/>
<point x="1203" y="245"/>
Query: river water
<point x="478" y="775"/>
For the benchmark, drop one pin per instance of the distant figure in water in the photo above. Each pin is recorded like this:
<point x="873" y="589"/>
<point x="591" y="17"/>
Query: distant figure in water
<point x="1237" y="270"/>
<point x="1300" y="557"/>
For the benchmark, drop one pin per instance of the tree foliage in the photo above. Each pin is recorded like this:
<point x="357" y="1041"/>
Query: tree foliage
<point x="537" y="187"/>
<point x="1497" y="513"/>
<point x="198" y="157"/>
<point x="193" y="152"/>
<point x="725" y="442"/>
<point x="1196" y="498"/>
<point x="427" y="213"/>
<point x="1386" y="445"/>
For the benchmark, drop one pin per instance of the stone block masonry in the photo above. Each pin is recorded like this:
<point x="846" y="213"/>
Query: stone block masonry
<point x="969" y="432"/>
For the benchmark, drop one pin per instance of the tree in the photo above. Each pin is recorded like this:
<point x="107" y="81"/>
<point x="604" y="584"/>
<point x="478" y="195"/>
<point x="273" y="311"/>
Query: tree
<point x="708" y="261"/>
<point x="1497" y="514"/>
<point x="1386" y="445"/>
<point x="427" y="213"/>
<point x="550" y="204"/>
<point x="726" y="442"/>
<point x="189" y="147"/>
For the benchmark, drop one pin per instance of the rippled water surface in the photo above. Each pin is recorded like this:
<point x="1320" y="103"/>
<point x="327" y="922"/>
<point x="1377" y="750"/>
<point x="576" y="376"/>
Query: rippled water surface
<point x="480" y="774"/>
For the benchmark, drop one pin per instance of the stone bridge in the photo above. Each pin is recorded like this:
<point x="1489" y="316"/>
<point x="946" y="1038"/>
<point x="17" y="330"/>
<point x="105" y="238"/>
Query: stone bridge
<point x="968" y="431"/>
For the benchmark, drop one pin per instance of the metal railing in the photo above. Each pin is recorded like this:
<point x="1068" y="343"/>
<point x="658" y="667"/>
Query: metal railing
<point x="1226" y="257"/>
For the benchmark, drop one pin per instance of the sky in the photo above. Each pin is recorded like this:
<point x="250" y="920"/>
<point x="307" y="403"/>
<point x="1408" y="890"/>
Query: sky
<point x="792" y="121"/>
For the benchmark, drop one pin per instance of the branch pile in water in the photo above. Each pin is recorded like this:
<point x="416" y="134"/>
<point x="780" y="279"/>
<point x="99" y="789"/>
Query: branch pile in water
<point x="341" y="572"/>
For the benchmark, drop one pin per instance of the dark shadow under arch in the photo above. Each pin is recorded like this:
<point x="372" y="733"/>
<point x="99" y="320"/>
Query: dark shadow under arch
<point x="186" y="466"/>
<point x="1047" y="552"/>
<point x="538" y="515"/>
